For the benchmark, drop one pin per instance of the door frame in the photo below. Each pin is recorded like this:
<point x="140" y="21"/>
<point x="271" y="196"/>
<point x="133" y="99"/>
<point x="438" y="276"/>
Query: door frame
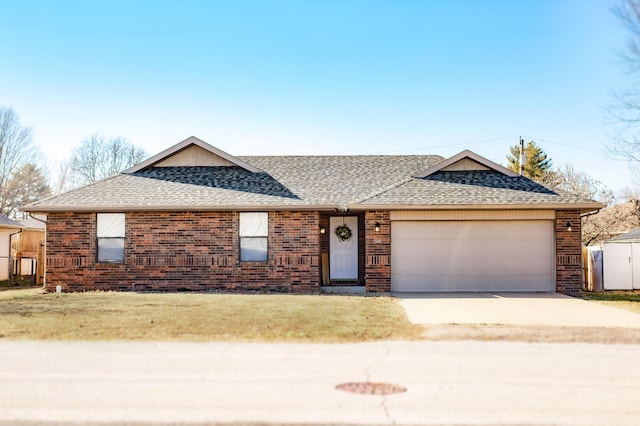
<point x="355" y="246"/>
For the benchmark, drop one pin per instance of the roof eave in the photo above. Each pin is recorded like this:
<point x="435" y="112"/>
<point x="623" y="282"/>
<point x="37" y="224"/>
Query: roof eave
<point x="177" y="208"/>
<point x="16" y="227"/>
<point x="583" y="207"/>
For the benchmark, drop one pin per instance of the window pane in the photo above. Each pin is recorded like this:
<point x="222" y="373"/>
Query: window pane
<point x="253" y="249"/>
<point x="111" y="250"/>
<point x="110" y="225"/>
<point x="254" y="224"/>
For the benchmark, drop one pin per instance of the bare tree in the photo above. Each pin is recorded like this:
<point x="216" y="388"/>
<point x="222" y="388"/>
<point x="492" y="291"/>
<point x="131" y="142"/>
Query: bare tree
<point x="27" y="184"/>
<point x="16" y="150"/>
<point x="610" y="222"/>
<point x="65" y="179"/>
<point x="595" y="227"/>
<point x="625" y="108"/>
<point x="632" y="195"/>
<point x="570" y="180"/>
<point x="98" y="158"/>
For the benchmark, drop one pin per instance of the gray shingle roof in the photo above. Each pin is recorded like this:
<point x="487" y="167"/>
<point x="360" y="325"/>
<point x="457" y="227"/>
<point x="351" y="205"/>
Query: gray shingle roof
<point x="471" y="187"/>
<point x="232" y="178"/>
<point x="5" y="222"/>
<point x="632" y="236"/>
<point x="298" y="182"/>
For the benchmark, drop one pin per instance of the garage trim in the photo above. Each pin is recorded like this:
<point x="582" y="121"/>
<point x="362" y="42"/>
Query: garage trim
<point x="472" y="215"/>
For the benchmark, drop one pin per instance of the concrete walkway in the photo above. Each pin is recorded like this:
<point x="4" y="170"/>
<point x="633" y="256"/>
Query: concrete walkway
<point x="548" y="309"/>
<point x="481" y="383"/>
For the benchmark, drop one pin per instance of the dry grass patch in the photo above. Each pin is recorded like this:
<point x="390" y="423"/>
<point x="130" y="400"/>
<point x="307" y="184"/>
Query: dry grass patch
<point x="545" y="334"/>
<point x="29" y="314"/>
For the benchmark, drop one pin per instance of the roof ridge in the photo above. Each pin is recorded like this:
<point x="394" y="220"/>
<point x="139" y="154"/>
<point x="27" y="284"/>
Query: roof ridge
<point x="386" y="189"/>
<point x="340" y="155"/>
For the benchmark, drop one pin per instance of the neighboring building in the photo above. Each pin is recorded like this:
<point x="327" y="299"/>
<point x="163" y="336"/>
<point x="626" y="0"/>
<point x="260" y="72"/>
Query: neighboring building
<point x="8" y="227"/>
<point x="621" y="262"/>
<point x="196" y="218"/>
<point x="28" y="248"/>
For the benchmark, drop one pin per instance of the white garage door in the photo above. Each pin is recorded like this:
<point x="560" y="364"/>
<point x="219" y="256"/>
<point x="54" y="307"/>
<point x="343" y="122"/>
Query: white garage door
<point x="513" y="255"/>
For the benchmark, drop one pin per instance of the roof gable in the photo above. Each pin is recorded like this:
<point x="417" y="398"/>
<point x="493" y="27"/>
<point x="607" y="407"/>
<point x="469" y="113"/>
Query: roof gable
<point x="466" y="161"/>
<point x="192" y="152"/>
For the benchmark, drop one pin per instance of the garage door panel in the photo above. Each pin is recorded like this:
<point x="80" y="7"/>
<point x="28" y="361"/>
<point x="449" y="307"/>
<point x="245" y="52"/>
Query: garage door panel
<point x="472" y="283"/>
<point x="413" y="249"/>
<point x="442" y="265"/>
<point x="472" y="256"/>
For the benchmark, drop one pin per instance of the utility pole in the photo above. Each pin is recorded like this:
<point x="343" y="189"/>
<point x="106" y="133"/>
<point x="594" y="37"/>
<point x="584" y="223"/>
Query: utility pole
<point x="522" y="157"/>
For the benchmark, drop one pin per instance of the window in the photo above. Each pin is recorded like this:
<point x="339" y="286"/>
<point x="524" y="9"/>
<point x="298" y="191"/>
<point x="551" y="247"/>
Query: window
<point x="254" y="232"/>
<point x="110" y="234"/>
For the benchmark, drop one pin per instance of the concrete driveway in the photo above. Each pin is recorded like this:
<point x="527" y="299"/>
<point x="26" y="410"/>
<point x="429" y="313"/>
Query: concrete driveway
<point x="544" y="309"/>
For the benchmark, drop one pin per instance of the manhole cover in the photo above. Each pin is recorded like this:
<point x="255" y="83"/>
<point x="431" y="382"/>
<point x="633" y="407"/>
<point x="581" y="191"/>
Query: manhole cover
<point x="371" y="388"/>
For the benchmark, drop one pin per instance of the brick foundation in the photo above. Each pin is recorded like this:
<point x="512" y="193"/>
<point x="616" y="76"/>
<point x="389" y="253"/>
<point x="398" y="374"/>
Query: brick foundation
<point x="184" y="251"/>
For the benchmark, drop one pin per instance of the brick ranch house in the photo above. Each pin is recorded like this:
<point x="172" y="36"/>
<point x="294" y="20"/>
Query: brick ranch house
<point x="196" y="218"/>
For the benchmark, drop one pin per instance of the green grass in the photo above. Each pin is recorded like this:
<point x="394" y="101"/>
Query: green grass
<point x="629" y="300"/>
<point x="18" y="282"/>
<point x="30" y="314"/>
<point x="619" y="295"/>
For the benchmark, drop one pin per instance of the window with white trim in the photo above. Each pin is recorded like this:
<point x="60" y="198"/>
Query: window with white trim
<point x="254" y="236"/>
<point x="110" y="235"/>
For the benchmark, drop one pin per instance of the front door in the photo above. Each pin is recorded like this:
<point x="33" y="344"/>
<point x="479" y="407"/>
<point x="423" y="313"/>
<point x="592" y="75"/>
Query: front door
<point x="343" y="248"/>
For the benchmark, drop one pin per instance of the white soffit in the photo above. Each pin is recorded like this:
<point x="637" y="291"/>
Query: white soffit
<point x="465" y="159"/>
<point x="183" y="151"/>
<point x="442" y="215"/>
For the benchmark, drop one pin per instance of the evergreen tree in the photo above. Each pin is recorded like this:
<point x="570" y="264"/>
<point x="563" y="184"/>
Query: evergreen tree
<point x="537" y="162"/>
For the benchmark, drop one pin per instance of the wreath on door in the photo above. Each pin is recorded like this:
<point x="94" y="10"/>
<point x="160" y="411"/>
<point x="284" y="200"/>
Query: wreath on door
<point x="343" y="232"/>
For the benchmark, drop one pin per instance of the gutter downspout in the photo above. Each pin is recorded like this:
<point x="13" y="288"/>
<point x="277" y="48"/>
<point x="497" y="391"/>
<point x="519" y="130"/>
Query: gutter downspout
<point x="39" y="220"/>
<point x="44" y="260"/>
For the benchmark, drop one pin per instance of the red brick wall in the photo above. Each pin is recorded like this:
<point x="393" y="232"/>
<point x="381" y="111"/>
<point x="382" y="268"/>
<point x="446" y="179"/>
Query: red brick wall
<point x="200" y="251"/>
<point x="184" y="251"/>
<point x="377" y="252"/>
<point x="568" y="253"/>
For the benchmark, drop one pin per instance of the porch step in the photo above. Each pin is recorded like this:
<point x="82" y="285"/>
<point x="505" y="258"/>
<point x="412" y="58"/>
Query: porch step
<point x="343" y="289"/>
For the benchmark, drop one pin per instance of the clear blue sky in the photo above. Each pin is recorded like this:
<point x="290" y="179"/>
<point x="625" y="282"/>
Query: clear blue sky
<point x="321" y="77"/>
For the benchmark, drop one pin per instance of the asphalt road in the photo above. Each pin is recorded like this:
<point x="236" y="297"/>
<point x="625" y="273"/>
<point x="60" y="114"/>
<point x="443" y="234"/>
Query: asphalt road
<point x="192" y="383"/>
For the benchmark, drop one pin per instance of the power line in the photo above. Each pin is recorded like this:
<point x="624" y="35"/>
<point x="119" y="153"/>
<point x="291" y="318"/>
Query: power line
<point x="446" y="146"/>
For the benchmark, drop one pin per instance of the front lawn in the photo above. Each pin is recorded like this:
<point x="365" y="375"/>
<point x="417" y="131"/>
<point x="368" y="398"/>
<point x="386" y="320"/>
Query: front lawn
<point x="629" y="300"/>
<point x="29" y="314"/>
